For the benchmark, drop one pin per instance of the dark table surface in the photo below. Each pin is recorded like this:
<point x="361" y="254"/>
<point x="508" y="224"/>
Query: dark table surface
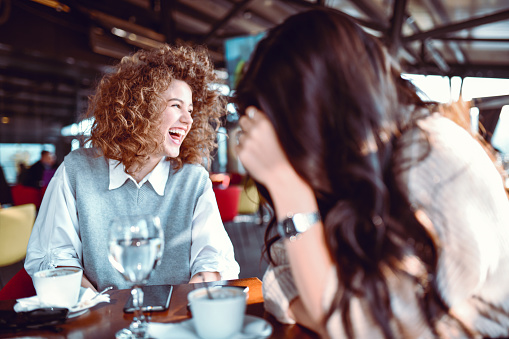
<point x="105" y="319"/>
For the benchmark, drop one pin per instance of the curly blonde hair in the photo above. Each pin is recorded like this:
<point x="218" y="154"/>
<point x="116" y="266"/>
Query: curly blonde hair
<point x="127" y="106"/>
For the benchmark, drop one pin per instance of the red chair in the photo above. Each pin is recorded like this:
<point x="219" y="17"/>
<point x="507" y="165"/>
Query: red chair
<point x="228" y="201"/>
<point x="20" y="286"/>
<point x="43" y="190"/>
<point x="236" y="178"/>
<point x="22" y="195"/>
<point x="221" y="180"/>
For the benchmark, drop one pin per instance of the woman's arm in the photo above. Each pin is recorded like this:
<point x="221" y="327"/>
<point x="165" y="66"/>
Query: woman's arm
<point x="280" y="293"/>
<point x="55" y="236"/>
<point x="299" y="312"/>
<point x="205" y="276"/>
<point x="262" y="155"/>
<point x="308" y="256"/>
<point x="211" y="248"/>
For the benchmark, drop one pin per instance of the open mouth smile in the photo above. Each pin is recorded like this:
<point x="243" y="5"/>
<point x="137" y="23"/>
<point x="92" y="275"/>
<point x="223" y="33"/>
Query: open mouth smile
<point x="177" y="135"/>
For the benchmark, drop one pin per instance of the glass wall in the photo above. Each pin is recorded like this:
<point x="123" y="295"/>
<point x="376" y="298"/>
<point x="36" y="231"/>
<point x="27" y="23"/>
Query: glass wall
<point x="446" y="90"/>
<point x="12" y="156"/>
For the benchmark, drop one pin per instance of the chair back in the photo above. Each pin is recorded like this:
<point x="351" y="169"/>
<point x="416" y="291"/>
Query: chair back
<point x="22" y="195"/>
<point x="20" y="286"/>
<point x="228" y="201"/>
<point x="16" y="225"/>
<point x="249" y="201"/>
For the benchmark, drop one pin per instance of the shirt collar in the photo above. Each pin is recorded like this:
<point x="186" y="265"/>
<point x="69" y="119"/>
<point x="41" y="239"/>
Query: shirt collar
<point x="157" y="178"/>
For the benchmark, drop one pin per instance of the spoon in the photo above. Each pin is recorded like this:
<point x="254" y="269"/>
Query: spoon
<point x="209" y="295"/>
<point x="102" y="292"/>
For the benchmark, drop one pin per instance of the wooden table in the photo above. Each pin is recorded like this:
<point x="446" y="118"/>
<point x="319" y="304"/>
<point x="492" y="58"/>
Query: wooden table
<point x="105" y="319"/>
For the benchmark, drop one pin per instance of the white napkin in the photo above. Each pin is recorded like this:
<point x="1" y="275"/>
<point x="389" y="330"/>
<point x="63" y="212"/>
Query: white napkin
<point x="85" y="301"/>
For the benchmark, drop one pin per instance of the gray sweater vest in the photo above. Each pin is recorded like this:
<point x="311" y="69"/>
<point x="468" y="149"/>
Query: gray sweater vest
<point x="97" y="206"/>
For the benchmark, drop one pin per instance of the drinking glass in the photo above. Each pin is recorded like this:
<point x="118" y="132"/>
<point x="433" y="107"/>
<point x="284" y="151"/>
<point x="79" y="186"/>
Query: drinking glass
<point x="135" y="248"/>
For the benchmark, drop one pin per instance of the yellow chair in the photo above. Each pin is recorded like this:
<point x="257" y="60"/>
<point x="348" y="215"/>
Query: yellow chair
<point x="249" y="200"/>
<point x="16" y="224"/>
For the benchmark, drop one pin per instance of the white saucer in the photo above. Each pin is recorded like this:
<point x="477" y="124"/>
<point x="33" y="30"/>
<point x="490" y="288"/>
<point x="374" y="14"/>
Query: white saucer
<point x="254" y="327"/>
<point x="75" y="314"/>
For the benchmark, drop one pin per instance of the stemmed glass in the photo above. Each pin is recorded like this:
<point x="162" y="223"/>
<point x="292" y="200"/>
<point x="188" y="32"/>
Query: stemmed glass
<point x="135" y="246"/>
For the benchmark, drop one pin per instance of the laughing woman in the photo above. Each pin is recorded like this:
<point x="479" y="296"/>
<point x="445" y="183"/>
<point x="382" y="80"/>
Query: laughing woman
<point x="392" y="221"/>
<point x="152" y="134"/>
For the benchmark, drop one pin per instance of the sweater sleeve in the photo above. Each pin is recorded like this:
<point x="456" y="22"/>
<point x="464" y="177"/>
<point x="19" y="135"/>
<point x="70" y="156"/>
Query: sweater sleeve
<point x="459" y="189"/>
<point x="278" y="285"/>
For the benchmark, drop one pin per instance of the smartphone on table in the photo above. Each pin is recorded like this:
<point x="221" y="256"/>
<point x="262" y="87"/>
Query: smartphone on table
<point x="156" y="298"/>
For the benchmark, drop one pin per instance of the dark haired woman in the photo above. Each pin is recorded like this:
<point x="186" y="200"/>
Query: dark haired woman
<point x="151" y="135"/>
<point x="390" y="220"/>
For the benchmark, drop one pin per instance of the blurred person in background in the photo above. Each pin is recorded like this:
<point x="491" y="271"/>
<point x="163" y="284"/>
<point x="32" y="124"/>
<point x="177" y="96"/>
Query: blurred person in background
<point x="155" y="122"/>
<point x="21" y="170"/>
<point x="35" y="176"/>
<point x="390" y="220"/>
<point x="5" y="190"/>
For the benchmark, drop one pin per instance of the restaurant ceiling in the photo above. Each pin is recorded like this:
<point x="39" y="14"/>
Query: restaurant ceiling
<point x="53" y="52"/>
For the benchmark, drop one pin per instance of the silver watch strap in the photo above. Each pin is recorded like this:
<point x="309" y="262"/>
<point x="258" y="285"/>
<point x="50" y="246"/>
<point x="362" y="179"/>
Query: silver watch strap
<point x="304" y="221"/>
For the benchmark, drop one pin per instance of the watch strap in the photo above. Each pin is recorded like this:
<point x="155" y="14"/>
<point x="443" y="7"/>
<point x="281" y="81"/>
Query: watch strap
<point x="295" y="224"/>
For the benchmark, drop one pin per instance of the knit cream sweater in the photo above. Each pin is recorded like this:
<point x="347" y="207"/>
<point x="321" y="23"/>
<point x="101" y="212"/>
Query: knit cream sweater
<point x="460" y="191"/>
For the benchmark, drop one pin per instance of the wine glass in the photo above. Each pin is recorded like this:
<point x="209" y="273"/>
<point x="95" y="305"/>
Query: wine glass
<point x="135" y="248"/>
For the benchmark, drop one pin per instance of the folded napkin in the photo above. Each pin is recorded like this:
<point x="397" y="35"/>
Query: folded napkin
<point x="85" y="301"/>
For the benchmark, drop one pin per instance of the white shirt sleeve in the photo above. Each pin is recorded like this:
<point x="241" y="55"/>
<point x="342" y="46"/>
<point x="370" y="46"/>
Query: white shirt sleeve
<point x="211" y="248"/>
<point x="55" y="237"/>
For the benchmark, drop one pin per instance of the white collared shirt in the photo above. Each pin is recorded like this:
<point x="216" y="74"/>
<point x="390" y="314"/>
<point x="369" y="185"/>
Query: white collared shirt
<point x="55" y="239"/>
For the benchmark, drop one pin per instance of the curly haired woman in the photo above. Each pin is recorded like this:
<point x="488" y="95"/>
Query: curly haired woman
<point x="153" y="130"/>
<point x="391" y="221"/>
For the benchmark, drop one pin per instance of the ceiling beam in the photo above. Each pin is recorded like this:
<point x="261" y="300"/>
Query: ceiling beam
<point x="395" y="30"/>
<point x="167" y="20"/>
<point x="491" y="102"/>
<point x="125" y="10"/>
<point x="470" y="40"/>
<point x="377" y="26"/>
<point x="234" y="11"/>
<point x="462" y="70"/>
<point x="442" y="30"/>
<point x="427" y="47"/>
<point x="373" y="12"/>
<point x="437" y="7"/>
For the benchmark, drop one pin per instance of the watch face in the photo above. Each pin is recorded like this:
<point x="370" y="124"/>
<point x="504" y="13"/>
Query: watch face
<point x="286" y="228"/>
<point x="298" y="223"/>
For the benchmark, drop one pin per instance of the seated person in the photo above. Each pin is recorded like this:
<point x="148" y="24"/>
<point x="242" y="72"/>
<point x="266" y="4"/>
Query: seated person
<point x="5" y="190"/>
<point x="391" y="221"/>
<point x="35" y="174"/>
<point x="151" y="134"/>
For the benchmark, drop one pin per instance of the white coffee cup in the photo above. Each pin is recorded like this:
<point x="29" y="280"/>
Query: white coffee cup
<point x="59" y="287"/>
<point x="219" y="317"/>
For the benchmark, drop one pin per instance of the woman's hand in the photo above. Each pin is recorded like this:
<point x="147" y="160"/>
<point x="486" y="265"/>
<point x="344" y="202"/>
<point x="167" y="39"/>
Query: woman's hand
<point x="263" y="157"/>
<point x="204" y="277"/>
<point x="259" y="149"/>
<point x="87" y="284"/>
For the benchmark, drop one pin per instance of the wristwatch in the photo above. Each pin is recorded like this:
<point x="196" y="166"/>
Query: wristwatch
<point x="295" y="224"/>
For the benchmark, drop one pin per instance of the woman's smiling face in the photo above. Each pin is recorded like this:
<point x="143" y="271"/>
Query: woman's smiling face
<point x="176" y="118"/>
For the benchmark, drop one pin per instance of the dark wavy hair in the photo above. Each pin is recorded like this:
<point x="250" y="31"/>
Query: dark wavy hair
<point x="127" y="105"/>
<point x="338" y="104"/>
